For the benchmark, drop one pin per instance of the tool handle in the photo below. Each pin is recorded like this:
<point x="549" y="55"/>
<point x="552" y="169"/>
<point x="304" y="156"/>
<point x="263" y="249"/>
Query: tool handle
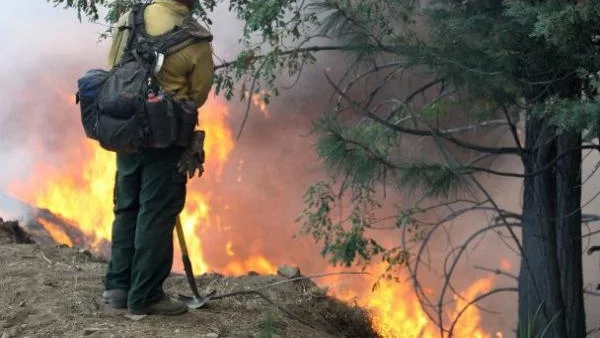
<point x="187" y="264"/>
<point x="190" y="276"/>
<point x="181" y="237"/>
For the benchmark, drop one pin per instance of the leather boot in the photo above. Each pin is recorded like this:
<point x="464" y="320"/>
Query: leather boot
<point x="116" y="298"/>
<point x="166" y="307"/>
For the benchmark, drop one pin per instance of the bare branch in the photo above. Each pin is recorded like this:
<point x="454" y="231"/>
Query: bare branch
<point x="475" y="126"/>
<point x="498" y="272"/>
<point x="449" y="272"/>
<point x="261" y="295"/>
<point x="494" y="172"/>
<point x="290" y="52"/>
<point x="513" y="130"/>
<point x="249" y="98"/>
<point x="475" y="300"/>
<point x="417" y="132"/>
<point x="257" y="292"/>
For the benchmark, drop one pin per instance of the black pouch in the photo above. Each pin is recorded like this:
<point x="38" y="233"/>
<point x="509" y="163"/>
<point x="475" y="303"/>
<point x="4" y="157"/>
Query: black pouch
<point x="119" y="135"/>
<point x="187" y="119"/>
<point x="162" y="121"/>
<point x="123" y="91"/>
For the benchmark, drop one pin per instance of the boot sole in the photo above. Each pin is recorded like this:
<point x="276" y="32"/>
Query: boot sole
<point x="116" y="304"/>
<point x="176" y="312"/>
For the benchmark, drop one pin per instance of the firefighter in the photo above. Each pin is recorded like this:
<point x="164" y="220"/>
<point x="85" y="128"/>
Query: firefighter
<point x="150" y="187"/>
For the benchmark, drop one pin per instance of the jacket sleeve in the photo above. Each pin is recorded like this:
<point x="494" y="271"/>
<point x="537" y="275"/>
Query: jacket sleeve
<point x="201" y="76"/>
<point x="119" y="39"/>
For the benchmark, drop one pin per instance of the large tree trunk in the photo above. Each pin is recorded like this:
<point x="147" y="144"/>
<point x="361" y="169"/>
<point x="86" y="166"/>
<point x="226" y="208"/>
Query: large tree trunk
<point x="540" y="296"/>
<point x="550" y="280"/>
<point x="568" y="232"/>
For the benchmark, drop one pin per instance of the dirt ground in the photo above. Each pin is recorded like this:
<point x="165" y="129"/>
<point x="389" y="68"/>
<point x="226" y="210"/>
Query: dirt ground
<point x="50" y="291"/>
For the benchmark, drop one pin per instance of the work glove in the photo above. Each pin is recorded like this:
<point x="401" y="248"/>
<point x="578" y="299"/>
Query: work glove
<point x="192" y="158"/>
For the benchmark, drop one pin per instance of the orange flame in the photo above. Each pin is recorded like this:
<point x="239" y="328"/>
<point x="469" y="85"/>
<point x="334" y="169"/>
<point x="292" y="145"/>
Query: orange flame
<point x="219" y="140"/>
<point x="257" y="264"/>
<point x="396" y="311"/>
<point x="82" y="190"/>
<point x="82" y="196"/>
<point x="258" y="100"/>
<point x="468" y="323"/>
<point x="229" y="249"/>
<point x="58" y="234"/>
<point x="194" y="217"/>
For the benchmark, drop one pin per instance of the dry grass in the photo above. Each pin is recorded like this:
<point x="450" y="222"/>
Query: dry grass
<point x="56" y="291"/>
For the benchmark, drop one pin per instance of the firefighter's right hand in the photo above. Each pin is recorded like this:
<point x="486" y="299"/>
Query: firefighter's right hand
<point x="192" y="159"/>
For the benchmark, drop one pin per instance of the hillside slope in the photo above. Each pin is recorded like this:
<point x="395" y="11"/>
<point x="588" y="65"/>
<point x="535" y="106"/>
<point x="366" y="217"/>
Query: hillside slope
<point x="56" y="291"/>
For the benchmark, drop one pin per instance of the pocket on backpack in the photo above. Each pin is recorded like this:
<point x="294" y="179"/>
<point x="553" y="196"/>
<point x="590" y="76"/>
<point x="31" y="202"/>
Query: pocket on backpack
<point x="123" y="92"/>
<point x="121" y="107"/>
<point x="89" y="87"/>
<point x="162" y="121"/>
<point x="89" y="117"/>
<point x="116" y="134"/>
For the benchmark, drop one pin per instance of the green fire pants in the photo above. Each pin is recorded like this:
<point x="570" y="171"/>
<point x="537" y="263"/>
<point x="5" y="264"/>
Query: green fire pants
<point x="149" y="194"/>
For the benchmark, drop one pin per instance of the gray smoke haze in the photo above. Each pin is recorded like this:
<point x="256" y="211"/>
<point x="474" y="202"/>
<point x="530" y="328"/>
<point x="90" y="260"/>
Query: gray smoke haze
<point x="45" y="50"/>
<point x="48" y="49"/>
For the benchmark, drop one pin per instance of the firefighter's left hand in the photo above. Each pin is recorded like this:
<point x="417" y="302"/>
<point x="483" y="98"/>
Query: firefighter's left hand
<point x="192" y="159"/>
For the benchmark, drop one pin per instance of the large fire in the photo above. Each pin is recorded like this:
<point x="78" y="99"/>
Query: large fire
<point x="397" y="312"/>
<point x="81" y="191"/>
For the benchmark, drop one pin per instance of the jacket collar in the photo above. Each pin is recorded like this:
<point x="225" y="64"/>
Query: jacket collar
<point x="173" y="5"/>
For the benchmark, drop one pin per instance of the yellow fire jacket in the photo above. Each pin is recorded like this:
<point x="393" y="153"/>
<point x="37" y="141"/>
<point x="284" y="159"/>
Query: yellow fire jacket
<point x="187" y="73"/>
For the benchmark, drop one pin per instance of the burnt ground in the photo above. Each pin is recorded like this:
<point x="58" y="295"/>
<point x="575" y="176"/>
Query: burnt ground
<point x="49" y="291"/>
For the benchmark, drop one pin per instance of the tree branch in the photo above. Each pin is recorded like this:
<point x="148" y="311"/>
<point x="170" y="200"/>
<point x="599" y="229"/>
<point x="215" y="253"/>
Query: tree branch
<point x="417" y="132"/>
<point x="256" y="291"/>
<point x="292" y="51"/>
<point x="475" y="300"/>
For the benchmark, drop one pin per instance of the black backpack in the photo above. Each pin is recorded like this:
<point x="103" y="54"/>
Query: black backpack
<point x="125" y="109"/>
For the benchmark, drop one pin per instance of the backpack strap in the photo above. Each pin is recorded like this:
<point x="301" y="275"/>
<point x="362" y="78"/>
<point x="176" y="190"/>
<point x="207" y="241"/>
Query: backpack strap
<point x="190" y="32"/>
<point x="136" y="23"/>
<point x="187" y="33"/>
<point x="142" y="46"/>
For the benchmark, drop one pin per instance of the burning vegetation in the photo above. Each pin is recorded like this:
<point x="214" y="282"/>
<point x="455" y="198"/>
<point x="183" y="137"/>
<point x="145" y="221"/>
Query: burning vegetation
<point x="225" y="232"/>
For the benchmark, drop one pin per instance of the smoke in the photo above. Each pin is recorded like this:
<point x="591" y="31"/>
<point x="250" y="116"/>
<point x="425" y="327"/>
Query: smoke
<point x="46" y="49"/>
<point x="40" y="131"/>
<point x="260" y="193"/>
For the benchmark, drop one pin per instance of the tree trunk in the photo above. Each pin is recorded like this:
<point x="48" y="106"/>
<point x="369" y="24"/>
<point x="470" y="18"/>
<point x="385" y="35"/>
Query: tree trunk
<point x="568" y="232"/>
<point x="540" y="296"/>
<point x="550" y="280"/>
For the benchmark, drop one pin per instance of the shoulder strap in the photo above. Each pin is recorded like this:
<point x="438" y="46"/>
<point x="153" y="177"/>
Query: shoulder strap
<point x="136" y="23"/>
<point x="187" y="33"/>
